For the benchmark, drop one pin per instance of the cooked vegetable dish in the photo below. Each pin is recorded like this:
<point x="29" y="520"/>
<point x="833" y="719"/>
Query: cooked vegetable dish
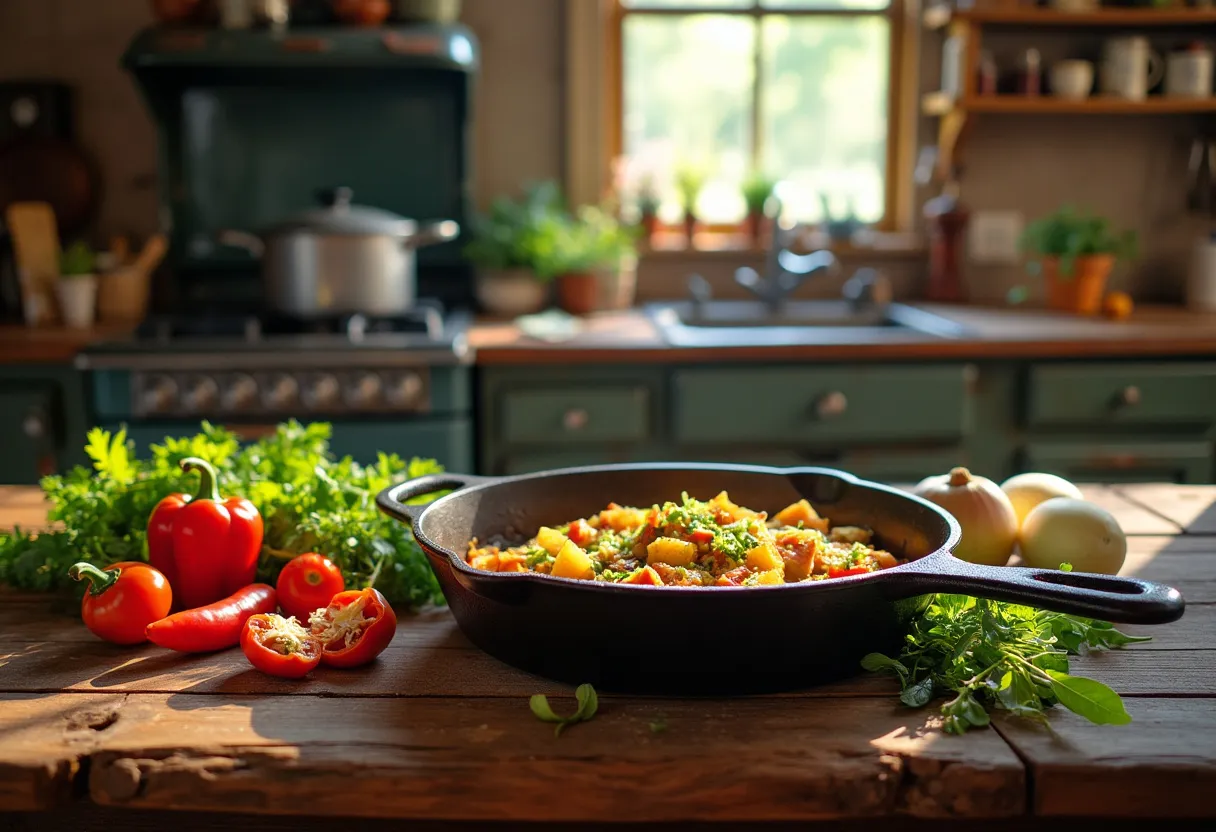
<point x="692" y="543"/>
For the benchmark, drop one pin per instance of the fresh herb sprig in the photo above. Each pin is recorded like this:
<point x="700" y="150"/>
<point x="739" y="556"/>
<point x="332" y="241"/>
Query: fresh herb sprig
<point x="587" y="700"/>
<point x="309" y="501"/>
<point x="991" y="654"/>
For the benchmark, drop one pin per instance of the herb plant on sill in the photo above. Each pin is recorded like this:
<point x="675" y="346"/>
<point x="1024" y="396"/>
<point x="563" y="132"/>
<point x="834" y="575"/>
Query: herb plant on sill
<point x="1075" y="254"/>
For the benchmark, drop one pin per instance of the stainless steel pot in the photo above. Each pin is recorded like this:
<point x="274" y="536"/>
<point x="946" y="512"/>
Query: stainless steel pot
<point x="341" y="258"/>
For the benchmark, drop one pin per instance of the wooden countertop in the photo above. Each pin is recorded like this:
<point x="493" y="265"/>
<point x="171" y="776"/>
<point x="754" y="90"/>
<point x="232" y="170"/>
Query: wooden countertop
<point x="437" y="730"/>
<point x="51" y="345"/>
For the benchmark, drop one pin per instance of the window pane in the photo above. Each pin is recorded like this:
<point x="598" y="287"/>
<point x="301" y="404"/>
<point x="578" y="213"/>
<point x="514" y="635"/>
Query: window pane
<point x="825" y="4"/>
<point x="824" y="112"/>
<point x="688" y="4"/>
<point x="687" y="101"/>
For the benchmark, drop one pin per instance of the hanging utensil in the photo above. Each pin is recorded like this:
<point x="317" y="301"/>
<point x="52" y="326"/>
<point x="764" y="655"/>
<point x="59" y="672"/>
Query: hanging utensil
<point x="36" y="251"/>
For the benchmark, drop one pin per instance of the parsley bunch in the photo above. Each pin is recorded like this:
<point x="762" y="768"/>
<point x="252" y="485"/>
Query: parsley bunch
<point x="309" y="501"/>
<point x="991" y="654"/>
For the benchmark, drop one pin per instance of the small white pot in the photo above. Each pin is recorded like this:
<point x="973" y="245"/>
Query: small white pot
<point x="511" y="292"/>
<point x="78" y="300"/>
<point x="1072" y="80"/>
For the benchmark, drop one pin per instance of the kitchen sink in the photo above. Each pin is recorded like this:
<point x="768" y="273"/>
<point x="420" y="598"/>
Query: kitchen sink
<point x="755" y="323"/>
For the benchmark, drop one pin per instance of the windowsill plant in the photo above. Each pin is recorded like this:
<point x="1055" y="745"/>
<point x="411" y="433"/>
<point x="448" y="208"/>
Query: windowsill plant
<point x="757" y="189"/>
<point x="1075" y="254"/>
<point x="77" y="286"/>
<point x="690" y="181"/>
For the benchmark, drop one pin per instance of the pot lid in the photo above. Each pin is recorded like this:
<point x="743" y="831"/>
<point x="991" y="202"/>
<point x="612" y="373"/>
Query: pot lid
<point x="337" y="215"/>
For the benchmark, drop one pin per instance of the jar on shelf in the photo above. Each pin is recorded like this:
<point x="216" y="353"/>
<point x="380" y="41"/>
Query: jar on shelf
<point x="987" y="75"/>
<point x="1030" y="74"/>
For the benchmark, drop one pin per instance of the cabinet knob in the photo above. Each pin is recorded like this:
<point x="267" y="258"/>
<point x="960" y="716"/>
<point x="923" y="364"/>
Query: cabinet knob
<point x="575" y="419"/>
<point x="831" y="405"/>
<point x="1129" y="396"/>
<point x="34" y="424"/>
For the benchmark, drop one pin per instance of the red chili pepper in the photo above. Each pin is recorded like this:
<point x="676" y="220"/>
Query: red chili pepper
<point x="355" y="628"/>
<point x="206" y="547"/>
<point x="701" y="536"/>
<point x="280" y="646"/>
<point x="122" y="600"/>
<point x="213" y="627"/>
<point x="844" y="573"/>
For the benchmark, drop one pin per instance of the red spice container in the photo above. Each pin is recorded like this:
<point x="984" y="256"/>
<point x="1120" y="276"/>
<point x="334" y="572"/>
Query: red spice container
<point x="946" y="220"/>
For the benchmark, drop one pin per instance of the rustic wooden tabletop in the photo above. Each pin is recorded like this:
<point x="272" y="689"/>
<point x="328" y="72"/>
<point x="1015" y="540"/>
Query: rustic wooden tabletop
<point x="438" y="731"/>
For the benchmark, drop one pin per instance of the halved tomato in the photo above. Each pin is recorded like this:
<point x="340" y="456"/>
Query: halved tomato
<point x="355" y="628"/>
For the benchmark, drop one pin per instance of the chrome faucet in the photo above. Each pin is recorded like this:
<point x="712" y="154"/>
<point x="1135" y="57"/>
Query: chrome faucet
<point x="784" y="270"/>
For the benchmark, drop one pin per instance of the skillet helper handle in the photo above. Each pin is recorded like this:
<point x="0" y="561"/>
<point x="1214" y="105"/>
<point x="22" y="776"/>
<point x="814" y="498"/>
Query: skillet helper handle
<point x="1104" y="597"/>
<point x="393" y="500"/>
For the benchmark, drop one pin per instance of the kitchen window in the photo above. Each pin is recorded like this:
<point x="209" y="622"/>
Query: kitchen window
<point x="810" y="92"/>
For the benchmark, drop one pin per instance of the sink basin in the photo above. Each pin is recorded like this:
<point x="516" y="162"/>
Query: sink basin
<point x="753" y="323"/>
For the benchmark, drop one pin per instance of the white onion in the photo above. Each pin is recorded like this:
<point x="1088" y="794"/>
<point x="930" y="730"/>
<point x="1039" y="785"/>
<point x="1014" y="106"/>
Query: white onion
<point x="1025" y="491"/>
<point x="1064" y="530"/>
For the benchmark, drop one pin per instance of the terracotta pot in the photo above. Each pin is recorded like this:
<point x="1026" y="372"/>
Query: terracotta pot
<point x="690" y="228"/>
<point x="578" y="294"/>
<point x="362" y="12"/>
<point x="510" y="292"/>
<point x="1081" y="290"/>
<point x="650" y="226"/>
<point x="754" y="225"/>
<point x="177" y="11"/>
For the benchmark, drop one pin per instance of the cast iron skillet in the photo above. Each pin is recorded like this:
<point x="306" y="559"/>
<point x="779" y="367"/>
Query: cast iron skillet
<point x="721" y="639"/>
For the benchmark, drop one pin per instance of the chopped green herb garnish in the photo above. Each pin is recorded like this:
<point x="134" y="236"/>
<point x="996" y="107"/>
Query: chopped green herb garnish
<point x="588" y="704"/>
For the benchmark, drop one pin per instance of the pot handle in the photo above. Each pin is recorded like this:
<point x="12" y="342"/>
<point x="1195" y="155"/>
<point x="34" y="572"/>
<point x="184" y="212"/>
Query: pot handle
<point x="393" y="500"/>
<point x="432" y="233"/>
<point x="1108" y="598"/>
<point x="252" y="243"/>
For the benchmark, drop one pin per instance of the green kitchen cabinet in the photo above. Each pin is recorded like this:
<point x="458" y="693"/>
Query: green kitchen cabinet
<point x="43" y="420"/>
<point x="1124" y="460"/>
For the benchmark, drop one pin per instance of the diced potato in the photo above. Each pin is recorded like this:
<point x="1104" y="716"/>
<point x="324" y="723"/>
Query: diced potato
<point x="551" y="540"/>
<point x="511" y="562"/>
<point x="850" y="534"/>
<point x="770" y="576"/>
<point x="671" y="551"/>
<point x="622" y="519"/>
<point x="798" y="549"/>
<point x="885" y="560"/>
<point x="487" y="562"/>
<point x="800" y="512"/>
<point x="727" y="512"/>
<point x="763" y="558"/>
<point x="644" y="576"/>
<point x="572" y="562"/>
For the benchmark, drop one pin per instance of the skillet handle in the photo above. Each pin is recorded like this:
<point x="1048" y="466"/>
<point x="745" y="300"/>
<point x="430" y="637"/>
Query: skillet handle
<point x="393" y="500"/>
<point x="1124" y="600"/>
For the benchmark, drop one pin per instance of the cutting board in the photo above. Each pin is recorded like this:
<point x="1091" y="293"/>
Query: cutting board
<point x="36" y="251"/>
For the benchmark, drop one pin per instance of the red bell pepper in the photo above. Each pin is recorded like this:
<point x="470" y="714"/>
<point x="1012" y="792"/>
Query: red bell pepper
<point x="280" y="646"/>
<point x="206" y="547"/>
<point x="355" y="628"/>
<point x="846" y="572"/>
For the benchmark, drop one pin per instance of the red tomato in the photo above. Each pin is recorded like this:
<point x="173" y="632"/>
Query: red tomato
<point x="701" y="536"/>
<point x="844" y="573"/>
<point x="306" y="584"/>
<point x="123" y="599"/>
<point x="279" y="646"/>
<point x="355" y="628"/>
<point x="581" y="532"/>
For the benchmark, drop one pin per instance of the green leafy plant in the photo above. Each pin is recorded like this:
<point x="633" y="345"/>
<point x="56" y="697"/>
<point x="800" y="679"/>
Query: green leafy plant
<point x="309" y="500"/>
<point x="690" y="181"/>
<point x="991" y="654"/>
<point x="757" y="188"/>
<point x="78" y="260"/>
<point x="512" y="234"/>
<point x="587" y="700"/>
<point x="1068" y="235"/>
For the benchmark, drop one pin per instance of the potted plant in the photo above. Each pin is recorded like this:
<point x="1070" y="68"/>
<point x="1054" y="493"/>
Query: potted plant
<point x="590" y="254"/>
<point x="757" y="188"/>
<point x="508" y="245"/>
<point x="690" y="180"/>
<point x="648" y="208"/>
<point x="1075" y="254"/>
<point x="77" y="286"/>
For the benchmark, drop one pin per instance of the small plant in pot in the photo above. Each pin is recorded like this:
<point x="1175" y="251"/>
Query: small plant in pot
<point x="77" y="286"/>
<point x="1075" y="253"/>
<point x="648" y="208"/>
<point x="508" y="245"/>
<point x="757" y="188"/>
<point x="690" y="181"/>
<point x="584" y="253"/>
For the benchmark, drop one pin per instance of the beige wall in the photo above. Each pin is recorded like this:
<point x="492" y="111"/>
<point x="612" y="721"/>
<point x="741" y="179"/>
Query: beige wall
<point x="518" y="108"/>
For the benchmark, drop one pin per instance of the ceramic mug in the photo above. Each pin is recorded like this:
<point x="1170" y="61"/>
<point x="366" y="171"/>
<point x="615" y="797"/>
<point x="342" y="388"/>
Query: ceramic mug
<point x="1130" y="68"/>
<point x="1189" y="74"/>
<point x="1072" y="80"/>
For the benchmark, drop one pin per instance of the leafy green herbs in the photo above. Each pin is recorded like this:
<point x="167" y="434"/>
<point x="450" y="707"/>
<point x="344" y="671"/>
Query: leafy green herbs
<point x="309" y="502"/>
<point x="990" y="654"/>
<point x="588" y="703"/>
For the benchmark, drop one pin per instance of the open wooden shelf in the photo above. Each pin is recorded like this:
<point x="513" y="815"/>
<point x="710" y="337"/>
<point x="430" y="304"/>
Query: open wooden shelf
<point x="1095" y="105"/>
<point x="936" y="18"/>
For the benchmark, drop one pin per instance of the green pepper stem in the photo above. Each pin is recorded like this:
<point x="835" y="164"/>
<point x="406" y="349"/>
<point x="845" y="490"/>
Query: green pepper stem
<point x="99" y="579"/>
<point x="208" y="488"/>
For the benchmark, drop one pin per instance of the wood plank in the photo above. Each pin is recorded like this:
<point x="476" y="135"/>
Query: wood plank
<point x="1163" y="764"/>
<point x="1135" y="518"/>
<point x="1185" y="563"/>
<point x="1191" y="507"/>
<point x="22" y="506"/>
<point x="42" y="739"/>
<point x="491" y="759"/>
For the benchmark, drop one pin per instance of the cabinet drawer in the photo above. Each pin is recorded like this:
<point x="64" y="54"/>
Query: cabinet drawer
<point x="30" y="426"/>
<point x="812" y="405"/>
<point x="1124" y="394"/>
<point x="1122" y="461"/>
<point x="598" y="414"/>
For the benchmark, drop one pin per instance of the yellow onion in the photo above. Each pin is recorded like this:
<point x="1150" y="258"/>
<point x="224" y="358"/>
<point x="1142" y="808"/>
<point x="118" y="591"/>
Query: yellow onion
<point x="990" y="526"/>
<point x="1025" y="491"/>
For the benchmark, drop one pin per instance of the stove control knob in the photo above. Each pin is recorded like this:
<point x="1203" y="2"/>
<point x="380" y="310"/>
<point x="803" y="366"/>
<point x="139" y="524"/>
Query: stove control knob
<point x="281" y="393"/>
<point x="240" y="393"/>
<point x="324" y="392"/>
<point x="365" y="391"/>
<point x="201" y="394"/>
<point x="405" y="390"/>
<point x="159" y="394"/>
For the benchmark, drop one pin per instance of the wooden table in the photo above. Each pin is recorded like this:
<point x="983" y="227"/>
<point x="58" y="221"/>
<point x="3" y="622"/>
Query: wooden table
<point x="438" y="731"/>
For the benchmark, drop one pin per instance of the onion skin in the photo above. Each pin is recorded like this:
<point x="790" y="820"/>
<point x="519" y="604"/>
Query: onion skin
<point x="990" y="525"/>
<point x="1026" y="491"/>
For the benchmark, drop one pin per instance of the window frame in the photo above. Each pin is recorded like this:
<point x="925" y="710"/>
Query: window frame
<point x="595" y="74"/>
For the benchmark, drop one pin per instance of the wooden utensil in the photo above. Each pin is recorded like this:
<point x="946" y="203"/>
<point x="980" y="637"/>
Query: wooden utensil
<point x="151" y="254"/>
<point x="36" y="250"/>
<point x="124" y="292"/>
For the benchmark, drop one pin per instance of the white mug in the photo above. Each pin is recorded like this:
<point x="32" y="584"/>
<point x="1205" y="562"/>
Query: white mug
<point x="1189" y="74"/>
<point x="1130" y="68"/>
<point x="1072" y="80"/>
